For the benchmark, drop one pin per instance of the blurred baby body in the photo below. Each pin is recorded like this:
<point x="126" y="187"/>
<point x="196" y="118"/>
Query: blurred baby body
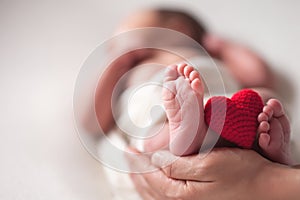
<point x="138" y="112"/>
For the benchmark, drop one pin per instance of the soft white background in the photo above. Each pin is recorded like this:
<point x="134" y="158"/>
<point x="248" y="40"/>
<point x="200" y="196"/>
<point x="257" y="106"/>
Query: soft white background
<point x="42" y="47"/>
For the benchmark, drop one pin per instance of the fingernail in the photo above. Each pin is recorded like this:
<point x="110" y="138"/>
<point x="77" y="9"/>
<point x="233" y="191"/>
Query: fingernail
<point x="156" y="158"/>
<point x="162" y="158"/>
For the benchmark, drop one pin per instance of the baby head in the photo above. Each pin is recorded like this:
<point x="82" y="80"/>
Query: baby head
<point x="165" y="18"/>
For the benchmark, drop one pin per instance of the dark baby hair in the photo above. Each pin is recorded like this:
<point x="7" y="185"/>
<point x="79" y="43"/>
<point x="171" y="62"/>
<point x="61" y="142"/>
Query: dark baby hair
<point x="198" y="29"/>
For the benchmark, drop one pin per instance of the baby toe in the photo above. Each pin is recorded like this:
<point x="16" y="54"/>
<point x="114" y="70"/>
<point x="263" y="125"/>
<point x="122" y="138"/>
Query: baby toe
<point x="187" y="71"/>
<point x="264" y="141"/>
<point x="262" y="117"/>
<point x="277" y="107"/>
<point x="197" y="86"/>
<point x="268" y="110"/>
<point x="181" y="68"/>
<point x="194" y="75"/>
<point x="263" y="127"/>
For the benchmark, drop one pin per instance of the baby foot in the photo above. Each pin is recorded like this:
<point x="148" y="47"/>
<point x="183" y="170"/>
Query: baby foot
<point x="183" y="100"/>
<point x="274" y="133"/>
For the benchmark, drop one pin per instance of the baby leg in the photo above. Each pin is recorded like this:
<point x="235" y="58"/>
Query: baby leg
<point x="274" y="133"/>
<point x="183" y="100"/>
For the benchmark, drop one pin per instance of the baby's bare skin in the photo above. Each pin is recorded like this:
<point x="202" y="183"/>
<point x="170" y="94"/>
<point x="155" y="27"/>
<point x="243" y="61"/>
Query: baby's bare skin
<point x="183" y="100"/>
<point x="244" y="65"/>
<point x="183" y="93"/>
<point x="274" y="132"/>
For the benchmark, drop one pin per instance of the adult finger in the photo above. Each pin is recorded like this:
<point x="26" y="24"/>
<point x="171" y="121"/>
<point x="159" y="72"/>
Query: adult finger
<point x="202" y="167"/>
<point x="155" y="181"/>
<point x="165" y="186"/>
<point x="138" y="163"/>
<point x="142" y="187"/>
<point x="183" y="168"/>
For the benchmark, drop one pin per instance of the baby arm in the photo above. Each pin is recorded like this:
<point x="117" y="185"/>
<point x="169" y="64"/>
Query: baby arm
<point x="247" y="67"/>
<point x="106" y="85"/>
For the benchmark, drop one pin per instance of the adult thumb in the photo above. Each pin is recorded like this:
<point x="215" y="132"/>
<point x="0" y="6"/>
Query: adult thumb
<point x="181" y="168"/>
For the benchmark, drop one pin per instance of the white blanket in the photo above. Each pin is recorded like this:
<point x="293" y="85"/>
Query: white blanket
<point x="134" y="114"/>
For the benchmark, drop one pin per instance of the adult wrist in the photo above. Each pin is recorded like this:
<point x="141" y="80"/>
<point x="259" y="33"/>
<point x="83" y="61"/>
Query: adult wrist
<point x="280" y="182"/>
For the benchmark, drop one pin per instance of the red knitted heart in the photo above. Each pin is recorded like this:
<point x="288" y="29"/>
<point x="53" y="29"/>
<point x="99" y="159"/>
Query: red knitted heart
<point x="240" y="124"/>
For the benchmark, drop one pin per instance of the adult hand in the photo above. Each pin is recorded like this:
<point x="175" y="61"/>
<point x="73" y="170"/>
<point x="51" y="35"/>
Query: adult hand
<point x="106" y="87"/>
<point x="224" y="173"/>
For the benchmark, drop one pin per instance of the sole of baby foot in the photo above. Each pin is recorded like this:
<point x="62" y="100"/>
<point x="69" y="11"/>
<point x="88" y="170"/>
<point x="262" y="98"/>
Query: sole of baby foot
<point x="274" y="133"/>
<point x="183" y="102"/>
